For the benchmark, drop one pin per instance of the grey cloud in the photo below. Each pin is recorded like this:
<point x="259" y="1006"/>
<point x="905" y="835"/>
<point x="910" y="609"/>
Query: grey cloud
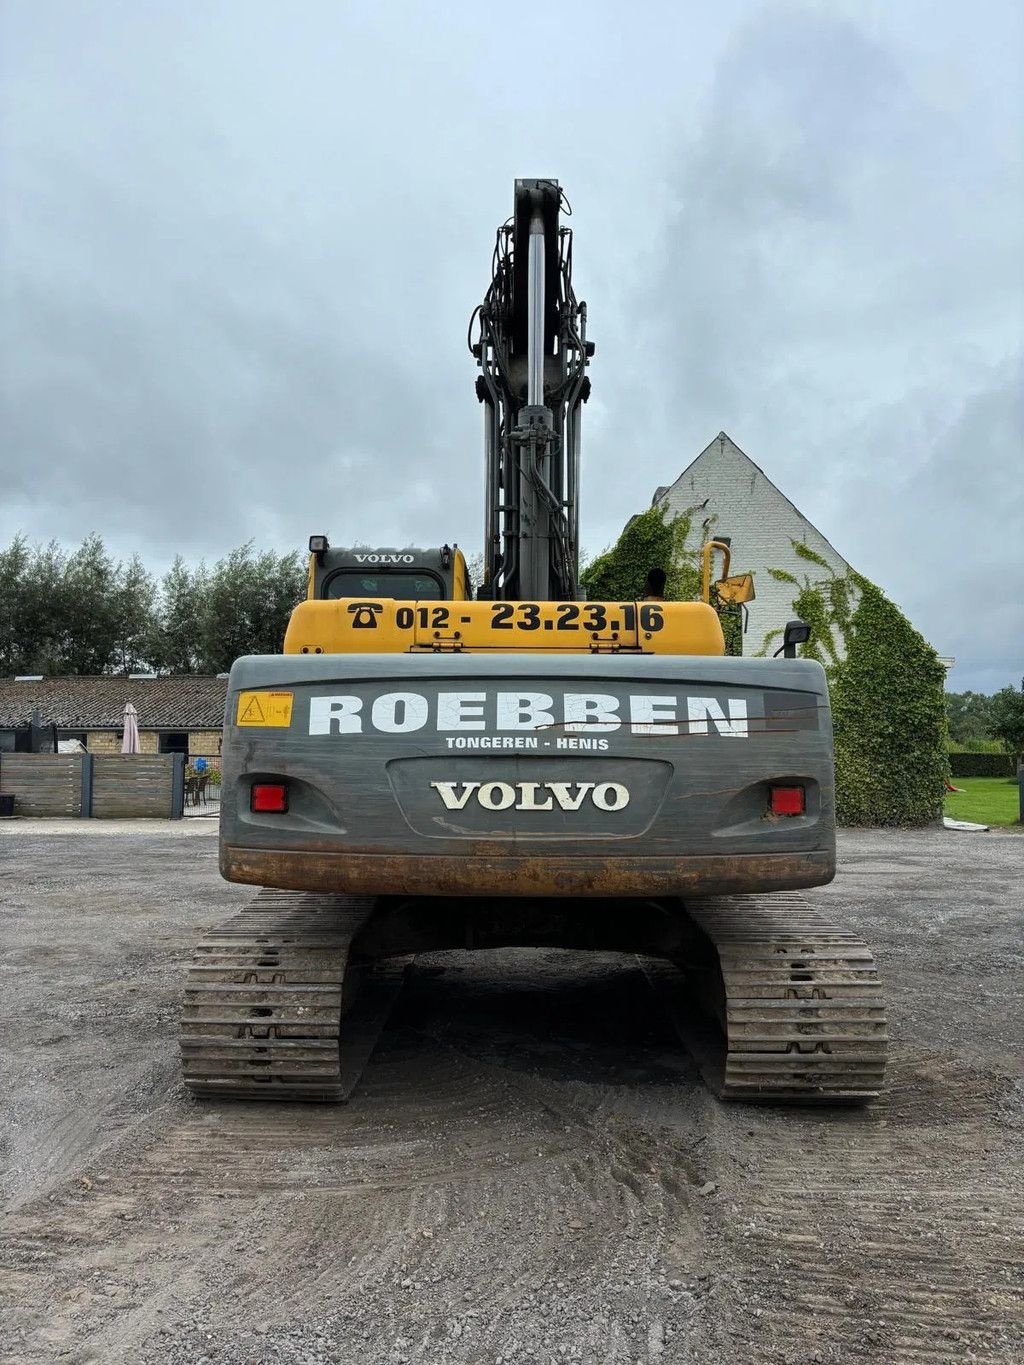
<point x="839" y="288"/>
<point x="948" y="534"/>
<point x="241" y="243"/>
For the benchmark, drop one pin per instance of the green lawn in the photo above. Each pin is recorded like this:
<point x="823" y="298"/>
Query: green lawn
<point x="986" y="800"/>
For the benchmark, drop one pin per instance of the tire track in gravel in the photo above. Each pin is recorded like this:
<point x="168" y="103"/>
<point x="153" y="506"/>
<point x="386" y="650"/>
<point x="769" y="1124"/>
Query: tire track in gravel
<point x="450" y="1170"/>
<point x="860" y="1247"/>
<point x="516" y="1176"/>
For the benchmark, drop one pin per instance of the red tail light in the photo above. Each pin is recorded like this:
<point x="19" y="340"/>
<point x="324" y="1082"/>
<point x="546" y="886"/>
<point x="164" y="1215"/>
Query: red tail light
<point x="788" y="801"/>
<point x="269" y="797"/>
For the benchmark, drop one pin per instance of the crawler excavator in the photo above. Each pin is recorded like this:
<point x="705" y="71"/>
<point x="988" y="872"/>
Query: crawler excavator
<point x="426" y="768"/>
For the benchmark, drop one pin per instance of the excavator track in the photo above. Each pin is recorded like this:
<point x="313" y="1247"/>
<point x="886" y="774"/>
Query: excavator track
<point x="274" y="1010"/>
<point x="797" y="999"/>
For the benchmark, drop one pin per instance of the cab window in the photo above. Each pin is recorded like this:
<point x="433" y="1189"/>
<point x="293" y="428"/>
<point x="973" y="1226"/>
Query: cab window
<point x="408" y="586"/>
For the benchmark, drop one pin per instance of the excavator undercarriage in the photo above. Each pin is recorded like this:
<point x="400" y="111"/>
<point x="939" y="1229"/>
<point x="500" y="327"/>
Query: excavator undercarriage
<point x="285" y="1000"/>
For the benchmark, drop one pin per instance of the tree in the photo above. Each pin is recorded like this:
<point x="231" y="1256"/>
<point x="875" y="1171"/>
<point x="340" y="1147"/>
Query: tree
<point x="87" y="613"/>
<point x="175" y="638"/>
<point x="134" y="617"/>
<point x="969" y="715"/>
<point x="48" y="609"/>
<point x="16" y="642"/>
<point x="34" y="608"/>
<point x="1007" y="722"/>
<point x="247" y="603"/>
<point x="84" y="614"/>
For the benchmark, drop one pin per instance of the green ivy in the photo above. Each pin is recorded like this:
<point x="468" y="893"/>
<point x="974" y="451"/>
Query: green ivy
<point x="889" y="714"/>
<point x="655" y="540"/>
<point x="805" y="552"/>
<point x="731" y="616"/>
<point x="825" y="606"/>
<point x="650" y="540"/>
<point x="888" y="698"/>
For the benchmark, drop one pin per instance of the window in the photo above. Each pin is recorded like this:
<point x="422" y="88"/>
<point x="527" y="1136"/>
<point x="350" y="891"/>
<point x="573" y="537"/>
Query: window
<point x="174" y="742"/>
<point x="409" y="585"/>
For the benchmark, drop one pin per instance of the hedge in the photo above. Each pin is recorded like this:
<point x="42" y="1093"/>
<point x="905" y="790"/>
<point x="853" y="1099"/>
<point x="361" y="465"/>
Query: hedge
<point x="981" y="765"/>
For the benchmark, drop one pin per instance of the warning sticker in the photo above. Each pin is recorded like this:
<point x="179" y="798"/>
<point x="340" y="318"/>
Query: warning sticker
<point x="264" y="708"/>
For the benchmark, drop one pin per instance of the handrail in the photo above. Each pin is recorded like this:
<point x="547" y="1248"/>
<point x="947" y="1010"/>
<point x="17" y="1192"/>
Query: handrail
<point x="709" y="549"/>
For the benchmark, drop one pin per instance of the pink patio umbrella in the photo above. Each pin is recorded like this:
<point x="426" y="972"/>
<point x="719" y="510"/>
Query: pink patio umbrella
<point x="130" y="742"/>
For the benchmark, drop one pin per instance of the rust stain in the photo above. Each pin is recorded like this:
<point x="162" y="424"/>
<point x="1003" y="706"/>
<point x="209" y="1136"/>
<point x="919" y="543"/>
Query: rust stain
<point x="487" y="873"/>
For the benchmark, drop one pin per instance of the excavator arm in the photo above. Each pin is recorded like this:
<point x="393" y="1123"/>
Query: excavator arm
<point x="532" y="349"/>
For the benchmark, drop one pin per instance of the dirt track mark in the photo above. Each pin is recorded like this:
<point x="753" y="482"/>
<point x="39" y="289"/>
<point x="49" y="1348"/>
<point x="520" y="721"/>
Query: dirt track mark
<point x="465" y="1205"/>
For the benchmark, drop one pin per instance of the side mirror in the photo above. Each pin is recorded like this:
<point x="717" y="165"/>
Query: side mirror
<point x="796" y="633"/>
<point x="739" y="588"/>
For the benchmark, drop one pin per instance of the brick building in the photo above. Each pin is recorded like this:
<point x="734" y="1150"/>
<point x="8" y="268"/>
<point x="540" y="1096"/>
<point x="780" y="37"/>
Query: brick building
<point x="182" y="714"/>
<point x="762" y="523"/>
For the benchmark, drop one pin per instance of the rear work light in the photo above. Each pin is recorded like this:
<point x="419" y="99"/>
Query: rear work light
<point x="787" y="801"/>
<point x="269" y="797"/>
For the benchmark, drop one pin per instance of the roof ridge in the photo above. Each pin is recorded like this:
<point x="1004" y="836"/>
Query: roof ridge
<point x="724" y="436"/>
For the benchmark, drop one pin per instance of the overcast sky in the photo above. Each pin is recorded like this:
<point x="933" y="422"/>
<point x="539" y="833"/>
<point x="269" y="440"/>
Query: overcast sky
<point x="242" y="238"/>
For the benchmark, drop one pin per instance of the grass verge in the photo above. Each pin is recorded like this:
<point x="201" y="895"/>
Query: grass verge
<point x="986" y="800"/>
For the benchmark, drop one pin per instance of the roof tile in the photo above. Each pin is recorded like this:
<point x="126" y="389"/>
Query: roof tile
<point x="185" y="702"/>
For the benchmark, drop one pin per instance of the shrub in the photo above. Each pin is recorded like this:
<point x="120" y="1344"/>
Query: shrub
<point x="981" y="765"/>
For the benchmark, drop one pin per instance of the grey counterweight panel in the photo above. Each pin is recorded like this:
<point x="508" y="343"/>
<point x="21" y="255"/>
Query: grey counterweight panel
<point x="635" y="756"/>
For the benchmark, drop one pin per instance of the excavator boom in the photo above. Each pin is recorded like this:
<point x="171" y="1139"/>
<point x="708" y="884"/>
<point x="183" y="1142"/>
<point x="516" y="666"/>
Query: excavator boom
<point x="532" y="350"/>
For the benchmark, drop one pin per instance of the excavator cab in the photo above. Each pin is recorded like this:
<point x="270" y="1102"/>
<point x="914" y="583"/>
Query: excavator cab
<point x="411" y="573"/>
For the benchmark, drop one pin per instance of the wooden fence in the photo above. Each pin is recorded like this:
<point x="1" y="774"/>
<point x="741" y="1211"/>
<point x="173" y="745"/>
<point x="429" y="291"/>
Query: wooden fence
<point x="104" y="786"/>
<point x="125" y="785"/>
<point x="43" y="784"/>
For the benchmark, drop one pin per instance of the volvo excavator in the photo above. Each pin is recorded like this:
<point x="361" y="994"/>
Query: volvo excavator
<point x="426" y="767"/>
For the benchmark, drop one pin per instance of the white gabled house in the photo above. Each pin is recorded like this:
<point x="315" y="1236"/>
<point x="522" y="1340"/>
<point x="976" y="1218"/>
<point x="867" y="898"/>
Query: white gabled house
<point x="724" y="483"/>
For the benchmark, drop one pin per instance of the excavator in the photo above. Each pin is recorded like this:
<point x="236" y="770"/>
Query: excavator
<point x="427" y="767"/>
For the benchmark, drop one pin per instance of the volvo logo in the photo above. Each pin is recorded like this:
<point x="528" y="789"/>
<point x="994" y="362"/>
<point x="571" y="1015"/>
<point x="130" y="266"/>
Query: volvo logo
<point x="533" y="795"/>
<point x="384" y="559"/>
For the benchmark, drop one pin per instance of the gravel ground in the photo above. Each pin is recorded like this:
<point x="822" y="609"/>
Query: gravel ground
<point x="531" y="1169"/>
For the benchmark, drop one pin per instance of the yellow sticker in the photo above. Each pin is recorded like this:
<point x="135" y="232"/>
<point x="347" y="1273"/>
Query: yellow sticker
<point x="264" y="708"/>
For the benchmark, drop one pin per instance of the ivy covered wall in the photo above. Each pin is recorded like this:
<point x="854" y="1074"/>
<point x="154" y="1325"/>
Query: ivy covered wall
<point x="651" y="540"/>
<point x="889" y="713"/>
<point x="888" y="698"/>
<point x="656" y="539"/>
